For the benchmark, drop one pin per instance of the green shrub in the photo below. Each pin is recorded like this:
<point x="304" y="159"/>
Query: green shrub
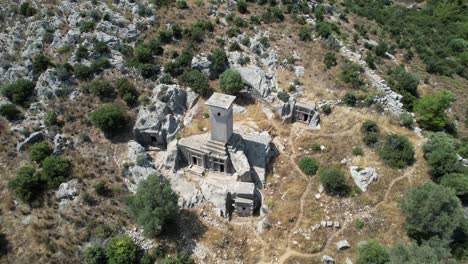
<point x="121" y="250"/>
<point x="40" y="63"/>
<point x="273" y="14"/>
<point x="99" y="65"/>
<point x="305" y="33"/>
<point x="55" y="170"/>
<point x="370" y="133"/>
<point x="39" y="151"/>
<point x="87" y="26"/>
<point x="406" y="120"/>
<point x="127" y="91"/>
<point x="51" y="119"/>
<point x="26" y="9"/>
<point x="182" y="4"/>
<point x="283" y="96"/>
<point x="431" y="210"/>
<point x="323" y="29"/>
<point x="441" y="156"/>
<point x="177" y="259"/>
<point x="149" y="71"/>
<point x="197" y="81"/>
<point x="351" y="74"/>
<point x="143" y="54"/>
<point x="430" y="110"/>
<point x="242" y="6"/>
<point x="10" y="112"/>
<point x="372" y="252"/>
<point x="381" y="49"/>
<point x="101" y="48"/>
<point x="19" y="91"/>
<point x="100" y="188"/>
<point x="110" y="119"/>
<point x="26" y="185"/>
<point x="406" y="84"/>
<point x="83" y="72"/>
<point x="231" y="82"/>
<point x="154" y="205"/>
<point x="357" y="151"/>
<point x="397" y="151"/>
<point x="329" y="59"/>
<point x="104" y="89"/>
<point x="333" y="180"/>
<point x="456" y="181"/>
<point x="235" y="47"/>
<point x="359" y="224"/>
<point x="64" y="72"/>
<point x="320" y="12"/>
<point x="95" y="255"/>
<point x="219" y="61"/>
<point x="309" y="165"/>
<point x="427" y="253"/>
<point x="326" y="108"/>
<point x="350" y="99"/>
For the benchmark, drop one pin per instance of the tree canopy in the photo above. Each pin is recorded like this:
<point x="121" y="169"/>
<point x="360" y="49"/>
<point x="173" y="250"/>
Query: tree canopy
<point x="431" y="210"/>
<point x="430" y="110"/>
<point x="153" y="205"/>
<point x="231" y="82"/>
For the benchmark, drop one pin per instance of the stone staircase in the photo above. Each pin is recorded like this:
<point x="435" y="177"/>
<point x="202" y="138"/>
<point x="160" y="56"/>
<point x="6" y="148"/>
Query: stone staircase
<point x="215" y="148"/>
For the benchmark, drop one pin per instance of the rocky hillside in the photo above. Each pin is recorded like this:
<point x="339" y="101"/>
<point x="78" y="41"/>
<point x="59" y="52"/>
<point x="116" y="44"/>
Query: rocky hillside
<point x="95" y="96"/>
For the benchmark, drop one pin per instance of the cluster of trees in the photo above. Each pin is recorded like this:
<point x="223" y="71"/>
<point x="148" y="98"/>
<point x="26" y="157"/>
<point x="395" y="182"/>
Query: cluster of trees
<point x="107" y="90"/>
<point x="413" y="30"/>
<point x="122" y="250"/>
<point x="29" y="182"/>
<point x="405" y="84"/>
<point x="396" y="150"/>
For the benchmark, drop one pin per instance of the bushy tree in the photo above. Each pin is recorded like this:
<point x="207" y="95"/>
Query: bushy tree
<point x="26" y="185"/>
<point x="149" y="71"/>
<point x="154" y="205"/>
<point x="182" y="4"/>
<point x="456" y="181"/>
<point x="55" y="170"/>
<point x="427" y="253"/>
<point x="109" y="118"/>
<point x="39" y="151"/>
<point x="309" y="165"/>
<point x="26" y="9"/>
<point x="127" y="91"/>
<point x="333" y="180"/>
<point x="83" y="72"/>
<point x="10" y="112"/>
<point x="324" y="29"/>
<point x="305" y="33"/>
<point x="441" y="157"/>
<point x="143" y="54"/>
<point x="406" y="84"/>
<point x="370" y="133"/>
<point x="104" y="89"/>
<point x="81" y="53"/>
<point x="197" y="81"/>
<point x="431" y="210"/>
<point x="177" y="259"/>
<point x="40" y="63"/>
<point x="242" y="6"/>
<point x="231" y="82"/>
<point x="121" y="250"/>
<point x="329" y="59"/>
<point x="320" y="12"/>
<point x="372" y="252"/>
<point x="18" y="92"/>
<point x="430" y="110"/>
<point x="95" y="255"/>
<point x="351" y="74"/>
<point x="397" y="151"/>
<point x="350" y="99"/>
<point x="219" y="61"/>
<point x="381" y="48"/>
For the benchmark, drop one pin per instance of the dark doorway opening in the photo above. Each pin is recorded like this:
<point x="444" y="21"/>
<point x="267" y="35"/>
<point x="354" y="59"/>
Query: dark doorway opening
<point x="221" y="168"/>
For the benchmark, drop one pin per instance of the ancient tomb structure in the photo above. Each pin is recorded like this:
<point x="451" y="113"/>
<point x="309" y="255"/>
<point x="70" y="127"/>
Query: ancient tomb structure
<point x="231" y="166"/>
<point x="300" y="111"/>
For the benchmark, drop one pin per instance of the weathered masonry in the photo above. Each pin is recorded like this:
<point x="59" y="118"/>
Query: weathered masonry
<point x="300" y="111"/>
<point x="233" y="164"/>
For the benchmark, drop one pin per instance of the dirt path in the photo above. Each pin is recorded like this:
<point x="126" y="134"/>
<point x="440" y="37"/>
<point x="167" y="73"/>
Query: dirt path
<point x="290" y="252"/>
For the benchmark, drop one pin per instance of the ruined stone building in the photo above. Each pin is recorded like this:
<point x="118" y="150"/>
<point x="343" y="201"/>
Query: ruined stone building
<point x="232" y="164"/>
<point x="300" y="111"/>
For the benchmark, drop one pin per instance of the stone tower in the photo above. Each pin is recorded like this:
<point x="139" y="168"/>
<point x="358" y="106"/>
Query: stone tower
<point x="221" y="116"/>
